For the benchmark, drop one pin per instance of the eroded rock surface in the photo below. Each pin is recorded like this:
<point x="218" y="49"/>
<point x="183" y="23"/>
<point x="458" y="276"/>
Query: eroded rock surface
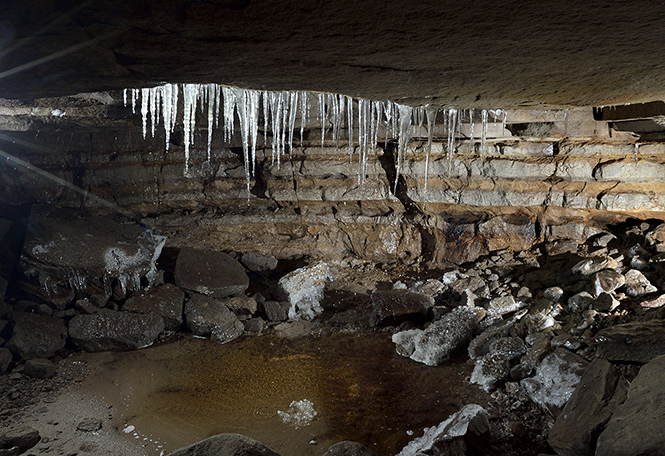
<point x="632" y="342"/>
<point x="111" y="330"/>
<point x="210" y="273"/>
<point x="164" y="300"/>
<point x="227" y="445"/>
<point x="36" y="336"/>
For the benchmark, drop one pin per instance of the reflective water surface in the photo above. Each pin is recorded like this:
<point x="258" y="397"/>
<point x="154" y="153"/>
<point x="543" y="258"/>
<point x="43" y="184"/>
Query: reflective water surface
<point x="175" y="394"/>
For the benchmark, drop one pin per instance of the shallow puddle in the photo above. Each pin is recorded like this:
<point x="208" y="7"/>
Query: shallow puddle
<point x="173" y="395"/>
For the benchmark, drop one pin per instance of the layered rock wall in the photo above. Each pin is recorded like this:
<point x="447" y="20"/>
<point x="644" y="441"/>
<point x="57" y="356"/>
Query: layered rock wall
<point x="542" y="178"/>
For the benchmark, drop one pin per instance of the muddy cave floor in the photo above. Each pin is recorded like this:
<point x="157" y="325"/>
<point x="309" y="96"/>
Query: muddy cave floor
<point x="184" y="389"/>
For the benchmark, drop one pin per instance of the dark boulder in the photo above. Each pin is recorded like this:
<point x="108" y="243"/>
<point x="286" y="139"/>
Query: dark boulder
<point x="164" y="300"/>
<point x="209" y="317"/>
<point x="210" y="273"/>
<point x="348" y="448"/>
<point x="226" y="445"/>
<point x="392" y="307"/>
<point x="36" y="336"/>
<point x="632" y="342"/>
<point x="111" y="330"/>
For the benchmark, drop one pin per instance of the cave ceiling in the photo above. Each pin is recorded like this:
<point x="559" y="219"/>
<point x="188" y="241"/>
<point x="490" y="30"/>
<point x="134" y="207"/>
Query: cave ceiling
<point x="447" y="53"/>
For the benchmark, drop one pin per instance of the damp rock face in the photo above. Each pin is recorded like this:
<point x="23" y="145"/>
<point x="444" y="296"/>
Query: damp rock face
<point x="210" y="273"/>
<point x="227" y="445"/>
<point x="111" y="330"/>
<point x="37" y="336"/>
<point x="435" y="344"/>
<point x="632" y="342"/>
<point x="165" y="300"/>
<point x="637" y="426"/>
<point x="600" y="391"/>
<point x="66" y="246"/>
<point x="209" y="317"/>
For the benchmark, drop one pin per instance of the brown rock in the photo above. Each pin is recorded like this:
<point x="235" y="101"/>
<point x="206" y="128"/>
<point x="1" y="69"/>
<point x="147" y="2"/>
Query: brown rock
<point x="23" y="438"/>
<point x="600" y="391"/>
<point x="210" y="273"/>
<point x="638" y="285"/>
<point x="275" y="311"/>
<point x="348" y="448"/>
<point x="210" y="317"/>
<point x="608" y="281"/>
<point x="636" y="426"/>
<point x="39" y="368"/>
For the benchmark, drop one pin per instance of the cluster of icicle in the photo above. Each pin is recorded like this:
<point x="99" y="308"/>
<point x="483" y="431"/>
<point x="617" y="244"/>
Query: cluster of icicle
<point x="279" y="111"/>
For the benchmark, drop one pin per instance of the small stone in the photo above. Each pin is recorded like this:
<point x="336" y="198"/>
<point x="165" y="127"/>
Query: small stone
<point x="209" y="317"/>
<point x="242" y="305"/>
<point x="603" y="240"/>
<point x="84" y="306"/>
<point x="561" y="247"/>
<point x="37" y="336"/>
<point x="579" y="302"/>
<point x="553" y="294"/>
<point x="23" y="438"/>
<point x="39" y="368"/>
<point x="593" y="265"/>
<point x="637" y="284"/>
<point x="348" y="448"/>
<point x="393" y="307"/>
<point x="89" y="425"/>
<point x="566" y="341"/>
<point x="274" y="311"/>
<point x="489" y="370"/>
<point x="44" y="309"/>
<point x="258" y="262"/>
<point x="654" y="303"/>
<point x="255" y="325"/>
<point x="605" y="302"/>
<point x="608" y="281"/>
<point x="164" y="300"/>
<point x="503" y="305"/>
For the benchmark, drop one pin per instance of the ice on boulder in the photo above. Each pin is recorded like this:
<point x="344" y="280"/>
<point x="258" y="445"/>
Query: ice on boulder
<point x="556" y="378"/>
<point x="304" y="290"/>
<point x="470" y="419"/>
<point x="435" y="344"/>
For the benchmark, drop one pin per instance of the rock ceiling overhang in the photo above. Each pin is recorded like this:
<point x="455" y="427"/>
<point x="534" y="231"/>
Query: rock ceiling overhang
<point x="467" y="54"/>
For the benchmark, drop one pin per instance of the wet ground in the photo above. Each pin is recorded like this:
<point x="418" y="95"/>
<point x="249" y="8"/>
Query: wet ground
<point x="162" y="398"/>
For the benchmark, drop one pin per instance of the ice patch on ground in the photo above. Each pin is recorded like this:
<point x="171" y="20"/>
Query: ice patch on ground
<point x="299" y="414"/>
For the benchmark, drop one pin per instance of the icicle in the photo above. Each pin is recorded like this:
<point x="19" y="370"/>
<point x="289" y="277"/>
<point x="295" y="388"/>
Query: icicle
<point x="364" y="115"/>
<point x="636" y="149"/>
<point x="452" y="127"/>
<point x="322" y="117"/>
<point x="293" y="110"/>
<point x="135" y="97"/>
<point x="154" y="106"/>
<point x="254" y="101"/>
<point x="405" y="114"/>
<point x="124" y="97"/>
<point x="145" y="100"/>
<point x="190" y="95"/>
<point x="210" y="98"/>
<point x="565" y="122"/>
<point x="349" y="124"/>
<point x="341" y="109"/>
<point x="483" y="134"/>
<point x="388" y="110"/>
<point x="473" y="127"/>
<point x="504" y="120"/>
<point x="304" y="100"/>
<point x="431" y="120"/>
<point x="243" y="108"/>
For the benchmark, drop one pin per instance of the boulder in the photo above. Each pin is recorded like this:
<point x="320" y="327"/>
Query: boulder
<point x="636" y="427"/>
<point x="36" y="336"/>
<point x="435" y="344"/>
<point x="5" y="359"/>
<point x="637" y="284"/>
<point x="348" y="448"/>
<point x="392" y="307"/>
<point x="209" y="317"/>
<point x="71" y="247"/>
<point x="304" y="290"/>
<point x="39" y="368"/>
<point x="636" y="342"/>
<point x="226" y="445"/>
<point x="113" y="330"/>
<point x="580" y="301"/>
<point x="556" y="378"/>
<point x="242" y="305"/>
<point x="210" y="273"/>
<point x="258" y="262"/>
<point x="22" y="438"/>
<point x="600" y="391"/>
<point x="464" y="432"/>
<point x="164" y="300"/>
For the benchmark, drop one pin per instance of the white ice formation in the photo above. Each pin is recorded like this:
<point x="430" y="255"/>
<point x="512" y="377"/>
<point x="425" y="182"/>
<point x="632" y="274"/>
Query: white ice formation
<point x="282" y="111"/>
<point x="299" y="414"/>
